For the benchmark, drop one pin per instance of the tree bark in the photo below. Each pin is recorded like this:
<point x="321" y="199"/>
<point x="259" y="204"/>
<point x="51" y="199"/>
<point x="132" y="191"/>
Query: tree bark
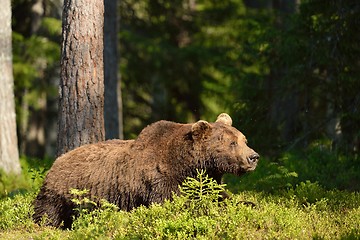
<point x="81" y="95"/>
<point x="9" y="153"/>
<point x="113" y="103"/>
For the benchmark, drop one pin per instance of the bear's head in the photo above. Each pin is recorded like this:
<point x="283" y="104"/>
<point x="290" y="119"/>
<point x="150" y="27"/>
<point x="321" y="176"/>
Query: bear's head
<point x="222" y="148"/>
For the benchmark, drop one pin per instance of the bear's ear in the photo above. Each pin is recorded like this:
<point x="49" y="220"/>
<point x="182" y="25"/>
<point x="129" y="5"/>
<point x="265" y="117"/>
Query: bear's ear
<point x="224" y="118"/>
<point x="200" y="129"/>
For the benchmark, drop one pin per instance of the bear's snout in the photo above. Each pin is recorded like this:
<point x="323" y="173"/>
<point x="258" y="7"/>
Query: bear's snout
<point x="253" y="158"/>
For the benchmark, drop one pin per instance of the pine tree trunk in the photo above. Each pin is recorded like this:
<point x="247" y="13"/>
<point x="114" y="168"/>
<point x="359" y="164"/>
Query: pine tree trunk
<point x="9" y="153"/>
<point x="81" y="95"/>
<point x="113" y="103"/>
<point x="34" y="133"/>
<point x="284" y="100"/>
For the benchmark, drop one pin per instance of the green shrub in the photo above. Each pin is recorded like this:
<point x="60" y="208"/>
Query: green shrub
<point x="267" y="177"/>
<point x="16" y="212"/>
<point x="11" y="184"/>
<point x="319" y="163"/>
<point x="200" y="191"/>
<point x="202" y="188"/>
<point x="305" y="210"/>
<point x="30" y="180"/>
<point x="187" y="216"/>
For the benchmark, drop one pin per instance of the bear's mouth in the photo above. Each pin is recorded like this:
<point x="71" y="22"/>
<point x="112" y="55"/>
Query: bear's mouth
<point x="247" y="168"/>
<point x="251" y="168"/>
<point x="237" y="167"/>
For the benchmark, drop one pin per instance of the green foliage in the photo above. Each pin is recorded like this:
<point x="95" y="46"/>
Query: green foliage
<point x="306" y="211"/>
<point x="201" y="191"/>
<point x="311" y="86"/>
<point x="30" y="180"/>
<point x="202" y="188"/>
<point x="33" y="59"/>
<point x="15" y="213"/>
<point x="189" y="214"/>
<point x="282" y="73"/>
<point x="11" y="184"/>
<point x="190" y="58"/>
<point x="287" y="74"/>
<point x="268" y="177"/>
<point x="319" y="163"/>
<point x="94" y="219"/>
<point x="51" y="27"/>
<point x="36" y="61"/>
<point x="284" y="78"/>
<point x="83" y="204"/>
<point x="308" y="194"/>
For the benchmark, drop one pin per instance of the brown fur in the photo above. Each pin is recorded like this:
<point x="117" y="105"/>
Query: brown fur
<point x="138" y="172"/>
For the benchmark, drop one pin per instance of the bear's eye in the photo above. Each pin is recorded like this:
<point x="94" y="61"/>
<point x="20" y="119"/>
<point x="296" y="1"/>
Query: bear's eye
<point x="233" y="144"/>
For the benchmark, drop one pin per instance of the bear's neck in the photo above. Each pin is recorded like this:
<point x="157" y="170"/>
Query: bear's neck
<point x="171" y="144"/>
<point x="187" y="158"/>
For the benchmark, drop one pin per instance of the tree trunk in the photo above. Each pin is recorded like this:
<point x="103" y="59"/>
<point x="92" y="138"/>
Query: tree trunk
<point x="113" y="103"/>
<point x="284" y="101"/>
<point x="34" y="134"/>
<point x="9" y="153"/>
<point x="258" y="4"/>
<point x="81" y="94"/>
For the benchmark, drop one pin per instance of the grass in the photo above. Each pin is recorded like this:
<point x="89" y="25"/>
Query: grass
<point x="274" y="217"/>
<point x="290" y="204"/>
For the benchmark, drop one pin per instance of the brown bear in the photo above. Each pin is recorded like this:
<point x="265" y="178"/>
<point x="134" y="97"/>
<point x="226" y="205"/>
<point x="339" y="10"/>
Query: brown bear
<point x="145" y="170"/>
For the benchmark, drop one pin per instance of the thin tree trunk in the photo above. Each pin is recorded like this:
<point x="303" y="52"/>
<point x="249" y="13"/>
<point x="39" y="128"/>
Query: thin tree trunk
<point x="285" y="102"/>
<point x="113" y="103"/>
<point x="9" y="153"/>
<point x="34" y="135"/>
<point x="81" y="95"/>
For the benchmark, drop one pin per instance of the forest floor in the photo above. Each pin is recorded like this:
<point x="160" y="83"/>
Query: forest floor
<point x="286" y="207"/>
<point x="290" y="214"/>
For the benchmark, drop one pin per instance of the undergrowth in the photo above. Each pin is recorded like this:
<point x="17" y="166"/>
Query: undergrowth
<point x="306" y="211"/>
<point x="291" y="202"/>
<point x="30" y="180"/>
<point x="316" y="164"/>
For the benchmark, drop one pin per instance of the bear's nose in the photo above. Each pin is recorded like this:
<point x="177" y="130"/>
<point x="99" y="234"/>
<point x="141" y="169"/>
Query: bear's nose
<point x="253" y="158"/>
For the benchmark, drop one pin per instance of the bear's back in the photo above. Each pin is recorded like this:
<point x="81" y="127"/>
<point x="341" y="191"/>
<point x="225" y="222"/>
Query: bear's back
<point x="157" y="134"/>
<point x="88" y="164"/>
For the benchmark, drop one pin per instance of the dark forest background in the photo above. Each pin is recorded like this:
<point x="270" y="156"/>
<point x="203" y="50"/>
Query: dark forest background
<point x="286" y="71"/>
